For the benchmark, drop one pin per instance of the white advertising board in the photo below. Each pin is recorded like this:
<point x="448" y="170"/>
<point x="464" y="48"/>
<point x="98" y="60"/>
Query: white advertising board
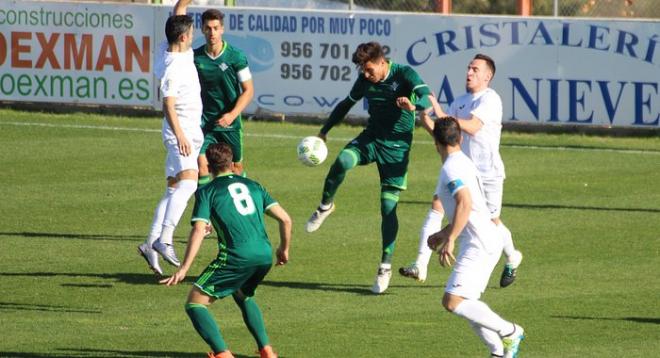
<point x="549" y="70"/>
<point x="76" y="53"/>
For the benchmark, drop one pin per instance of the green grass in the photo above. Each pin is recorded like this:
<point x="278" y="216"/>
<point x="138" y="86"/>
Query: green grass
<point x="77" y="194"/>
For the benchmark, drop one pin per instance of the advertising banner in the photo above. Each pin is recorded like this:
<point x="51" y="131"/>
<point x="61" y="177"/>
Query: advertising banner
<point x="549" y="70"/>
<point x="76" y="53"/>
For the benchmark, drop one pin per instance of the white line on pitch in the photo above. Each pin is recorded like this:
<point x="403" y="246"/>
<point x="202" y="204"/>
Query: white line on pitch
<point x="334" y="139"/>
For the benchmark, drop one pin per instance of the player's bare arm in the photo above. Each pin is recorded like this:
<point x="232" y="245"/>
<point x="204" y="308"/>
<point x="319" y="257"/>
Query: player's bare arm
<point x="285" y="223"/>
<point x="242" y="102"/>
<point x="463" y="208"/>
<point x="194" y="243"/>
<point x="173" y="120"/>
<point x="181" y="6"/>
<point x="470" y="125"/>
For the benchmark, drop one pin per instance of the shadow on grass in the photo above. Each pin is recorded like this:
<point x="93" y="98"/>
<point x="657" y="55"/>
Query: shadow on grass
<point x="10" y="306"/>
<point x="122" y="277"/>
<point x="551" y="206"/>
<point x="73" y="236"/>
<point x="109" y="353"/>
<point x="630" y="319"/>
<point x="363" y="290"/>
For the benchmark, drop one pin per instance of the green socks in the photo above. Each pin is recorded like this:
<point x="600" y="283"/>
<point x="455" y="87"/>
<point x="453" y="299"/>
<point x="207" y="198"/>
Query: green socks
<point x="205" y="325"/>
<point x="253" y="320"/>
<point x="390" y="223"/>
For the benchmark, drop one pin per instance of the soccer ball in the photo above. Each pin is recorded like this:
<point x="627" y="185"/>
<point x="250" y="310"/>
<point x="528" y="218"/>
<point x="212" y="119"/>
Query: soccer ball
<point x="312" y="151"/>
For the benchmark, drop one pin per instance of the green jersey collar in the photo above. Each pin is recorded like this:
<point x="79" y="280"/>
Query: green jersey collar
<point x="224" y="47"/>
<point x="389" y="71"/>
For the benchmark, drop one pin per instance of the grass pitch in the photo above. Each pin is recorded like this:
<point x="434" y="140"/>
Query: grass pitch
<point x="77" y="194"/>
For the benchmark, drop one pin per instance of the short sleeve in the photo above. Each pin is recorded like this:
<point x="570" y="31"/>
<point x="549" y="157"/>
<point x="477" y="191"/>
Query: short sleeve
<point x="169" y="85"/>
<point x="267" y="199"/>
<point x="241" y="67"/>
<point x="453" y="182"/>
<point x="420" y="90"/>
<point x="202" y="208"/>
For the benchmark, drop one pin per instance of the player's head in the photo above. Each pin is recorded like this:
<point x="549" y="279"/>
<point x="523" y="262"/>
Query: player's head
<point x="220" y="157"/>
<point x="370" y="60"/>
<point x="480" y="72"/>
<point x="447" y="132"/>
<point x="178" y="30"/>
<point x="213" y="26"/>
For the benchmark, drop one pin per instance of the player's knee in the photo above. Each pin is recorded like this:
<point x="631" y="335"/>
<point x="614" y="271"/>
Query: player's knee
<point x="450" y="302"/>
<point x="346" y="160"/>
<point x="239" y="297"/>
<point x="388" y="201"/>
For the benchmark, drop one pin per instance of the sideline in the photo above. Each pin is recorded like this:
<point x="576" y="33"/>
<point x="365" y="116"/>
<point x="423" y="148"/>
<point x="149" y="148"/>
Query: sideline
<point x="334" y="139"/>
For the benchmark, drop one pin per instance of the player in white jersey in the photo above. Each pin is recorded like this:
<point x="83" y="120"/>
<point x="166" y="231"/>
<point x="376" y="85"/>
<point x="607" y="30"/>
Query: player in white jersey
<point x="460" y="191"/>
<point x="182" y="134"/>
<point x="479" y="112"/>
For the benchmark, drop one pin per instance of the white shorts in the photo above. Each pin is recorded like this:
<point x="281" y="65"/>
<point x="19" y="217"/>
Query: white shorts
<point x="493" y="192"/>
<point x="175" y="163"/>
<point x="472" y="269"/>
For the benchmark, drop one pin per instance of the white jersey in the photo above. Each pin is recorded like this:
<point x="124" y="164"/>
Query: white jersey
<point x="459" y="173"/>
<point x="484" y="146"/>
<point x="178" y="78"/>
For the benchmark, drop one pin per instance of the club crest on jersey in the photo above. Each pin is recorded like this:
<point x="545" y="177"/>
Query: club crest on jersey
<point x="394" y="85"/>
<point x="223" y="66"/>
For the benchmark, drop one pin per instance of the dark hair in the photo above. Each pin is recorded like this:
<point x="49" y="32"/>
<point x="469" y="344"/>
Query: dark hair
<point x="176" y="26"/>
<point x="489" y="62"/>
<point x="213" y="14"/>
<point x="219" y="156"/>
<point x="447" y="131"/>
<point x="367" y="52"/>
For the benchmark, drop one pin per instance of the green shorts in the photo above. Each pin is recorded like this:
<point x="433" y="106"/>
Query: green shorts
<point x="220" y="280"/>
<point x="391" y="156"/>
<point x="233" y="138"/>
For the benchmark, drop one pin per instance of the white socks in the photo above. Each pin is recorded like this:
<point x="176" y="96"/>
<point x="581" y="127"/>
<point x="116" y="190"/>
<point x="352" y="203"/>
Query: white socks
<point x="432" y="224"/>
<point x="176" y="205"/>
<point x="491" y="338"/>
<point x="159" y="216"/>
<point x="506" y="239"/>
<point x="479" y="313"/>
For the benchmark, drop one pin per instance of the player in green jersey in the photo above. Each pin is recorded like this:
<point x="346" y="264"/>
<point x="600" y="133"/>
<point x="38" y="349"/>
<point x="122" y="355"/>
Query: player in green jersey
<point x="227" y="89"/>
<point x="386" y="140"/>
<point x="235" y="206"/>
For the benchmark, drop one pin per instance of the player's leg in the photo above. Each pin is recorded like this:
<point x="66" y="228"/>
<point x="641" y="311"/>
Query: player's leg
<point x="389" y="199"/>
<point x="353" y="154"/>
<point x="493" y="191"/>
<point x="145" y="249"/>
<point x="432" y="224"/>
<point x="392" y="161"/>
<point x="252" y="316"/>
<point x="467" y="281"/>
<point x="203" y="321"/>
<point x="203" y="163"/>
<point x="235" y="140"/>
<point x="184" y="169"/>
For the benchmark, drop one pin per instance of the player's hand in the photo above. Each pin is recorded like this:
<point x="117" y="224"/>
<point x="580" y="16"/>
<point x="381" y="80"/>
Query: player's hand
<point x="404" y="103"/>
<point x="322" y="136"/>
<point x="437" y="109"/>
<point x="184" y="145"/>
<point x="434" y="240"/>
<point x="282" y="256"/>
<point x="174" y="279"/>
<point x="225" y="120"/>
<point x="208" y="230"/>
<point x="446" y="253"/>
